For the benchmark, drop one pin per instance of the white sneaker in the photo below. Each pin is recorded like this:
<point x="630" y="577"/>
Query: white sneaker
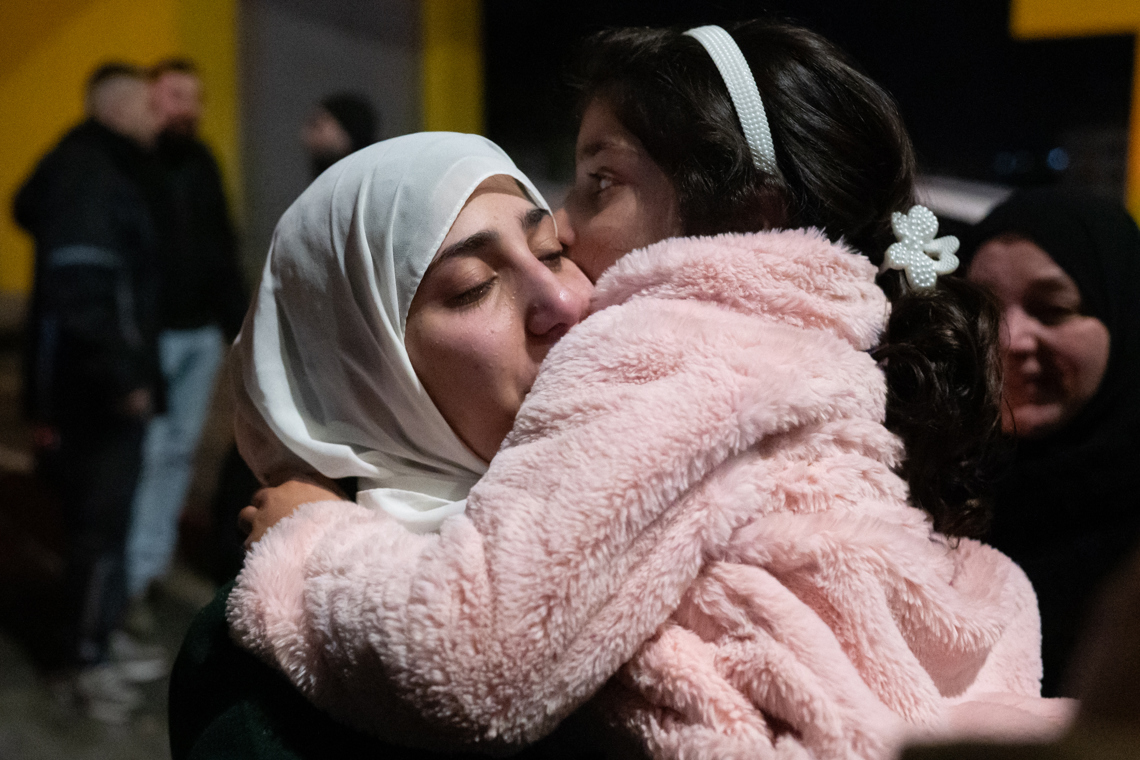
<point x="136" y="661"/>
<point x="103" y="693"/>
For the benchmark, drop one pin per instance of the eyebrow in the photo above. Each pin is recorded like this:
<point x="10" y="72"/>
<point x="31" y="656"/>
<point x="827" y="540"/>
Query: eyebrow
<point x="529" y="220"/>
<point x="467" y="245"/>
<point x="589" y="150"/>
<point x="1051" y="284"/>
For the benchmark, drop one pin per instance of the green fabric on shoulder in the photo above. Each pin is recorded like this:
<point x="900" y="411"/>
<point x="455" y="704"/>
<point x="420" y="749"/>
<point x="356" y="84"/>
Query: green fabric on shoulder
<point x="226" y="704"/>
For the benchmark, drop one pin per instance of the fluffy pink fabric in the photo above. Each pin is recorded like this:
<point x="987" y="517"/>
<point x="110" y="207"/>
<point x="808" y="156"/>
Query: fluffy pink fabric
<point x="698" y="497"/>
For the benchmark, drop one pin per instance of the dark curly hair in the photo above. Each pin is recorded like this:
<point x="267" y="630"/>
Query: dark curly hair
<point x="845" y="164"/>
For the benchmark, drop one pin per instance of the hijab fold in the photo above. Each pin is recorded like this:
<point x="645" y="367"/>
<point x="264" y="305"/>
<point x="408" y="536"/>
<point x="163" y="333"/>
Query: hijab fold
<point x="322" y="379"/>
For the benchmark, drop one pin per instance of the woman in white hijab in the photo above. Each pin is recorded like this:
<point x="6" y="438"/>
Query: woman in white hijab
<point x="324" y="379"/>
<point x="408" y="298"/>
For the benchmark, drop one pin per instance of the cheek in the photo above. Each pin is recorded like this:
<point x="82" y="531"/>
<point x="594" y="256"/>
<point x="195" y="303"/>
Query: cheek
<point x="476" y="370"/>
<point x="661" y="214"/>
<point x="596" y="260"/>
<point x="460" y="357"/>
<point x="1082" y="349"/>
<point x="622" y="226"/>
<point x="599" y="241"/>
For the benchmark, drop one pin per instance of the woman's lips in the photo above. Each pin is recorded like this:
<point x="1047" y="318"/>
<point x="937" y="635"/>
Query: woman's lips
<point x="1038" y="389"/>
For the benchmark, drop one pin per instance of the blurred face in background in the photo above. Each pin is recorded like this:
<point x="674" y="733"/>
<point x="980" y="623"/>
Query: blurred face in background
<point x="326" y="141"/>
<point x="498" y="295"/>
<point x="620" y="200"/>
<point x="1054" y="355"/>
<point x="124" y="104"/>
<point x="178" y="99"/>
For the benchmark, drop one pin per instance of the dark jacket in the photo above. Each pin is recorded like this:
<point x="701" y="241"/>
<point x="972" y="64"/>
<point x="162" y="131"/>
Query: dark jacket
<point x="201" y="281"/>
<point x="92" y="321"/>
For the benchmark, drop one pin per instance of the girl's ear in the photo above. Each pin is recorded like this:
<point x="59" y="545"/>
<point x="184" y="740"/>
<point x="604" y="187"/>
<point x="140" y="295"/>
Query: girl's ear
<point x="772" y="207"/>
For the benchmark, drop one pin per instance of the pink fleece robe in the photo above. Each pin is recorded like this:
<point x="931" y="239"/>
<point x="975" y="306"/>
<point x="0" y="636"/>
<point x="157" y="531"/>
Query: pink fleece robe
<point x="697" y="498"/>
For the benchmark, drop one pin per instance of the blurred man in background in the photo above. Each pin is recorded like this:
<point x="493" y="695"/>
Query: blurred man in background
<point x="91" y="376"/>
<point x="203" y="302"/>
<point x="341" y="124"/>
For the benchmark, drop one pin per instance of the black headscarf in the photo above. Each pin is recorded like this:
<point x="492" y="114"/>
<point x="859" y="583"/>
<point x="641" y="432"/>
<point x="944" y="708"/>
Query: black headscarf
<point x="1068" y="509"/>
<point x="359" y="121"/>
<point x="356" y="116"/>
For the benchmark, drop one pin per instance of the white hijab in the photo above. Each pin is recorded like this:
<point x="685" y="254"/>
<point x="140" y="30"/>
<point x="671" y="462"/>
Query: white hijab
<point x="322" y="379"/>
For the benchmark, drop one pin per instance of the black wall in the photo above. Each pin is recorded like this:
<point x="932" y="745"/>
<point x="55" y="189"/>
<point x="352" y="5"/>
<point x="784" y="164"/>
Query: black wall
<point x="978" y="104"/>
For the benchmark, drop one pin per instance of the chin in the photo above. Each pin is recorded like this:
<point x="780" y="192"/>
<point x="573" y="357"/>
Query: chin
<point x="1037" y="421"/>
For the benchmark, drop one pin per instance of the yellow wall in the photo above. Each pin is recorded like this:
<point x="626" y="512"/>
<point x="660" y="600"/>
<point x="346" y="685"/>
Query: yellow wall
<point x="452" y="65"/>
<point x="50" y="46"/>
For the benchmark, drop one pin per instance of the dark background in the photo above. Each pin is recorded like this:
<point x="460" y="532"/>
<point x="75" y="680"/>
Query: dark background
<point x="979" y="104"/>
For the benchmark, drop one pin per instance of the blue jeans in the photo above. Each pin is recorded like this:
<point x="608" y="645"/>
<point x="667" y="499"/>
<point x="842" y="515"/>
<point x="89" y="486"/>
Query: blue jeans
<point x="190" y="360"/>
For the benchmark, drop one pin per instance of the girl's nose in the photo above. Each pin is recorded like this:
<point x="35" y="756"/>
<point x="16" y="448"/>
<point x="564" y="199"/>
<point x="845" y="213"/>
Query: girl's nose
<point x="565" y="231"/>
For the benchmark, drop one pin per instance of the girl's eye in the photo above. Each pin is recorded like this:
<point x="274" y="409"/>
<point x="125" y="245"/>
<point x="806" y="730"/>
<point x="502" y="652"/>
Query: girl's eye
<point x="602" y="181"/>
<point x="471" y="295"/>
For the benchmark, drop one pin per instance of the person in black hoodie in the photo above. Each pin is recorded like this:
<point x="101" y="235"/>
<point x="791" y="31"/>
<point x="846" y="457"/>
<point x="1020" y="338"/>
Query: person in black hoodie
<point x="91" y="375"/>
<point x="203" y="302"/>
<point x="1066" y="268"/>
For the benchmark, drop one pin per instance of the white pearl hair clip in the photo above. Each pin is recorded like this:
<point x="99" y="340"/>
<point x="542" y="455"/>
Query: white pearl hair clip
<point x="742" y="90"/>
<point x="923" y="256"/>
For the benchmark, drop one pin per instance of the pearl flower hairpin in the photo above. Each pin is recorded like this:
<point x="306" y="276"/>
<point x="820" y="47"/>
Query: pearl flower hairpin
<point x="923" y="256"/>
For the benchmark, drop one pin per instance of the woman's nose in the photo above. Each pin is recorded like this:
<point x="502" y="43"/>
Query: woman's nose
<point x="556" y="304"/>
<point x="1021" y="332"/>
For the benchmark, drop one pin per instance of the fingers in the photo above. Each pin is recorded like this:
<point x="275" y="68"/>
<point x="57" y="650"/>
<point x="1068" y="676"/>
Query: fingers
<point x="246" y="520"/>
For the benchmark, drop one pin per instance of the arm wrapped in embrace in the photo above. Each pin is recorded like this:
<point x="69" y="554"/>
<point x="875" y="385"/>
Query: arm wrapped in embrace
<point x="698" y="498"/>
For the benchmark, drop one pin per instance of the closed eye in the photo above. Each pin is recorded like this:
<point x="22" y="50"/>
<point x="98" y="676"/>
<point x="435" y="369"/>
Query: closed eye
<point x="1052" y="315"/>
<point x="471" y="295"/>
<point x="553" y="259"/>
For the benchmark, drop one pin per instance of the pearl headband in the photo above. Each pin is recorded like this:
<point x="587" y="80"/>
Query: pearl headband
<point x="742" y="89"/>
<point x="922" y="256"/>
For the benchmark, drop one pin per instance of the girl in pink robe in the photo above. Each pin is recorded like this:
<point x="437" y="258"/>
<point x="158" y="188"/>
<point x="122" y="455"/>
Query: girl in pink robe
<point x="700" y="522"/>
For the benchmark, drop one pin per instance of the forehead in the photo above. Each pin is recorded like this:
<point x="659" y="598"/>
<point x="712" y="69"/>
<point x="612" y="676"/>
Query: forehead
<point x="132" y="85"/>
<point x="488" y="218"/>
<point x="178" y="81"/>
<point x="123" y="91"/>
<point x="500" y="183"/>
<point x="1011" y="264"/>
<point x="601" y="130"/>
<point x="489" y="206"/>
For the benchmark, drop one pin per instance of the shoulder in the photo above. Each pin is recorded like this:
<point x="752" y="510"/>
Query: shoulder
<point x="75" y="174"/>
<point x="984" y="570"/>
<point x="796" y="278"/>
<point x="191" y="153"/>
<point x="79" y="147"/>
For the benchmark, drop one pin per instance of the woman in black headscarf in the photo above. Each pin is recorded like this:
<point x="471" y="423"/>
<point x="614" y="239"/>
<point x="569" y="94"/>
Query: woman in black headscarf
<point x="341" y="124"/>
<point x="1066" y="268"/>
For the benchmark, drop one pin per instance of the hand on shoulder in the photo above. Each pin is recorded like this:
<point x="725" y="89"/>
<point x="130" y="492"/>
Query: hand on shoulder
<point x="273" y="504"/>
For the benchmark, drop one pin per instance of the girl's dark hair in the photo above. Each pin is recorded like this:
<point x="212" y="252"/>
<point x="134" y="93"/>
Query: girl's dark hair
<point x="845" y="164"/>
